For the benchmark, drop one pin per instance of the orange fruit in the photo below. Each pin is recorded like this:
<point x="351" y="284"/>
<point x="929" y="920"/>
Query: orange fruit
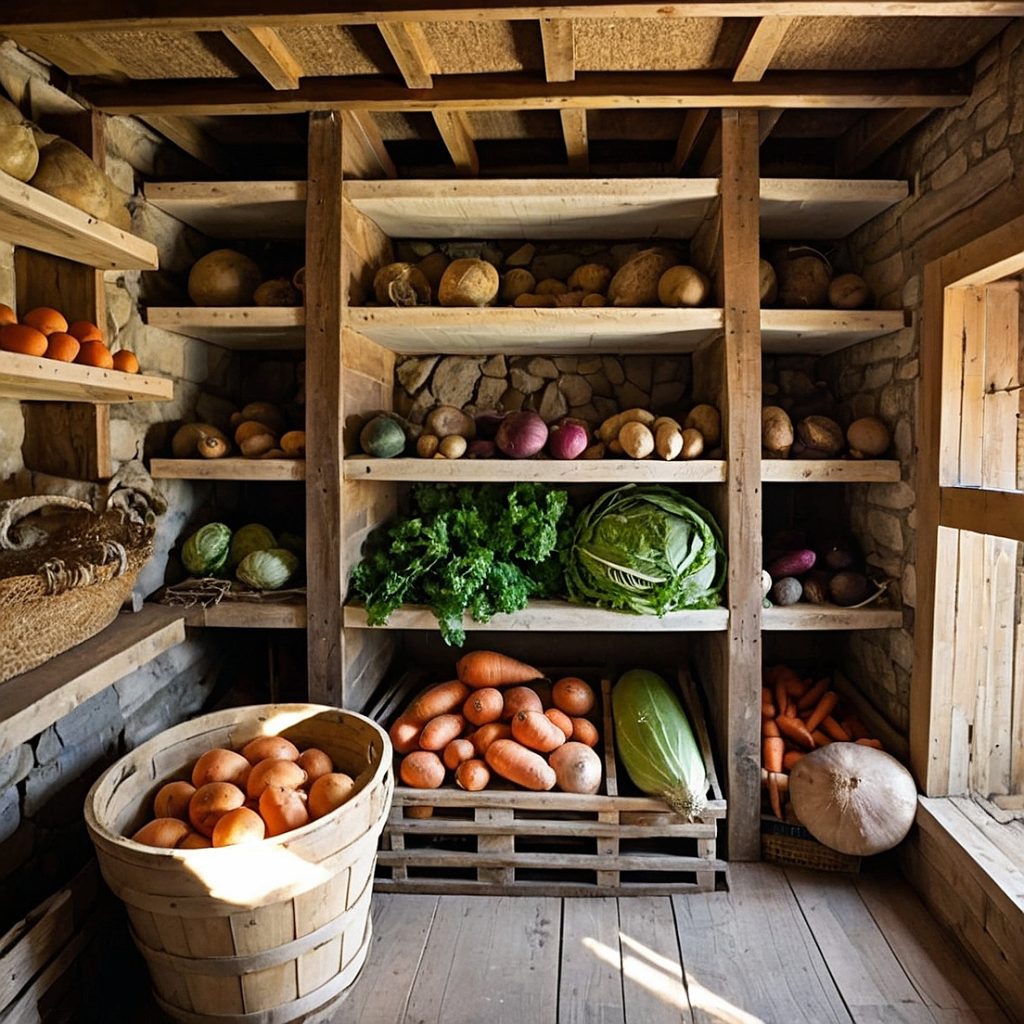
<point x="45" y="319"/>
<point x="7" y="315"/>
<point x="125" y="361"/>
<point x="63" y="347"/>
<point x="95" y="353"/>
<point x="20" y="338"/>
<point x="85" y="330"/>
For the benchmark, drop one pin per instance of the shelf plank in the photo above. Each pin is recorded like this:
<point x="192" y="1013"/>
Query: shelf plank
<point x="513" y="331"/>
<point x="234" y="209"/>
<point x="830" y="616"/>
<point x="248" y="615"/>
<point x="555" y="616"/>
<point x="227" y="469"/>
<point x="812" y="208"/>
<point x="37" y="379"/>
<point x="245" y="328"/>
<point x="573" y="208"/>
<point x="36" y="699"/>
<point x="825" y="471"/>
<point x="577" y="471"/>
<point x="39" y="221"/>
<point x="822" y="331"/>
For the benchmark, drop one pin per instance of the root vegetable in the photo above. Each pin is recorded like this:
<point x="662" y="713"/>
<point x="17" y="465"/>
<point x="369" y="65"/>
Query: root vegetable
<point x="668" y="441"/>
<point x="522" y="435"/>
<point x="165" y="833"/>
<point x="849" y="588"/>
<point x="440" y="731"/>
<point x="293" y="444"/>
<point x="594" y="299"/>
<point x="515" y="283"/>
<point x="472" y="775"/>
<point x="776" y="432"/>
<point x="535" y="730"/>
<point x="512" y="761"/>
<point x="868" y="437"/>
<point x="212" y="447"/>
<point x="427" y="445"/>
<point x="220" y="765"/>
<point x="438" y="700"/>
<point x="488" y="668"/>
<point x="550" y="286"/>
<point x="609" y="429"/>
<point x="574" y="696"/>
<point x="329" y="792"/>
<point x="518" y="699"/>
<point x="708" y="421"/>
<point x="793" y="563"/>
<point x="786" y="591"/>
<point x="561" y="719"/>
<point x="453" y="446"/>
<point x="570" y="300"/>
<point x="591" y="278"/>
<point x="528" y="300"/>
<point x="804" y="276"/>
<point x="401" y="284"/>
<point x="584" y="731"/>
<point x="422" y="769"/>
<point x="821" y="435"/>
<point x="445" y="420"/>
<point x="483" y="706"/>
<point x="266" y="413"/>
<point x="274" y="772"/>
<point x="636" y="281"/>
<point x="683" y="286"/>
<point x="282" y="810"/>
<point x="637" y="440"/>
<point x="456" y="752"/>
<point x="693" y="444"/>
<point x="768" y="283"/>
<point x="432" y="267"/>
<point x="468" y="282"/>
<point x="577" y="768"/>
<point x="795" y="730"/>
<point x="772" y="752"/>
<point x="189" y="436"/>
<point x="849" y="291"/>
<point x="568" y="440"/>
<point x="488" y="734"/>
<point x="223" y="277"/>
<point x="258" y="444"/>
<point x="278" y="291"/>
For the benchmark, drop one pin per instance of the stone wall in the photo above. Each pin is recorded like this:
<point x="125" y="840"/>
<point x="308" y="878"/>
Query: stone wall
<point x="965" y="168"/>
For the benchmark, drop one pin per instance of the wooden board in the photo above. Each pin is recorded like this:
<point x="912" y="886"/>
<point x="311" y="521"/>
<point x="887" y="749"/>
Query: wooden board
<point x="30" y="378"/>
<point x="823" y="331"/>
<point x="532" y="209"/>
<point x="589" y="982"/>
<point x="67" y="439"/>
<point x="241" y="329"/>
<point x="611" y="471"/>
<point x="234" y="209"/>
<point x="248" y="615"/>
<point x="830" y="616"/>
<point x="556" y="616"/>
<point x="36" y="220"/>
<point x="805" y="208"/>
<point x="826" y="471"/>
<point x="36" y="699"/>
<point x="512" y="331"/>
<point x="228" y="469"/>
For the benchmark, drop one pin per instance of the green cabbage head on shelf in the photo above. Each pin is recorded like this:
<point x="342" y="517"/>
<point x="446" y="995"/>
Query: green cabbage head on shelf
<point x="206" y="551"/>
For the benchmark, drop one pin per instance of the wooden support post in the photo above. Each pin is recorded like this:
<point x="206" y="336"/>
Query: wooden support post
<point x="574" y="129"/>
<point x="762" y="46"/>
<point x="741" y="741"/>
<point x="262" y="48"/>
<point x="326" y="275"/>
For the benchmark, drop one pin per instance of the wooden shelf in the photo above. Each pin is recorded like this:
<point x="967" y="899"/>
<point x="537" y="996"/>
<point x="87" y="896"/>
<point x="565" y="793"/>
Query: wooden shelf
<point x="830" y="616"/>
<point x="39" y="221"/>
<point x="37" y="379"/>
<point x="513" y="331"/>
<point x="555" y="617"/>
<point x="248" y="615"/>
<point x="572" y="208"/>
<point x="240" y="328"/>
<point x="227" y="469"/>
<point x="36" y="699"/>
<point x="822" y="331"/>
<point x="826" y="471"/>
<point x="575" y="471"/>
<point x="234" y="209"/>
<point x="813" y="208"/>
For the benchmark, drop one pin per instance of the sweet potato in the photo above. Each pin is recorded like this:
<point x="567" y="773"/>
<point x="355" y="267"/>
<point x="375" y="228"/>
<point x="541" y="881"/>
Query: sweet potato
<point x="535" y="730"/>
<point x="512" y="761"/>
<point x="422" y="769"/>
<point x="520" y="698"/>
<point x="487" y="734"/>
<point x="440" y="731"/>
<point x="438" y="700"/>
<point x="483" y="706"/>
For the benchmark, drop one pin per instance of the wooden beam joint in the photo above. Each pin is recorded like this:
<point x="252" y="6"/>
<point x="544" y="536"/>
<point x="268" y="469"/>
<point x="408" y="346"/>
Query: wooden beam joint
<point x="263" y="49"/>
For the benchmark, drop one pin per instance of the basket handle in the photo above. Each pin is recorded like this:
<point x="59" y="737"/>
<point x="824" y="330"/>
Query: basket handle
<point x="59" y="576"/>
<point x="13" y="511"/>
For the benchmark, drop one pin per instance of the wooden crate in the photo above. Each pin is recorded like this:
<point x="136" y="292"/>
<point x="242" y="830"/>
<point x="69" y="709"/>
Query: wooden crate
<point x="508" y="841"/>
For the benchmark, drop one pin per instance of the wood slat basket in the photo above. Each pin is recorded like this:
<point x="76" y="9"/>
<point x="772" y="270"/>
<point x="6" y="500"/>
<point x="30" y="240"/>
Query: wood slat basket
<point x="509" y="841"/>
<point x="261" y="933"/>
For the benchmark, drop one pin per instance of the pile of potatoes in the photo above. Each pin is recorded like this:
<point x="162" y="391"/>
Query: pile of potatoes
<point x="259" y="431"/>
<point x="638" y="434"/>
<point x="268" y="788"/>
<point x="821" y="437"/>
<point x="801" y="277"/>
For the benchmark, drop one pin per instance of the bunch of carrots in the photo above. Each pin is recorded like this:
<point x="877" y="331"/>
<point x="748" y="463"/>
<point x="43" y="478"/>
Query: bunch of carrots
<point x="797" y="716"/>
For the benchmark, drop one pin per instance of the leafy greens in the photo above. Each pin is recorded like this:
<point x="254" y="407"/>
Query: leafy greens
<point x="486" y="549"/>
<point x="648" y="550"/>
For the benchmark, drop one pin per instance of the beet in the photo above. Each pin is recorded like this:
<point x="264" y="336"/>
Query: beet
<point x="793" y="563"/>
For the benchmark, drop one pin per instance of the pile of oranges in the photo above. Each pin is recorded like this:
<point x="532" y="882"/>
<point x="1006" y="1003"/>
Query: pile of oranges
<point x="45" y="332"/>
<point x="233" y="798"/>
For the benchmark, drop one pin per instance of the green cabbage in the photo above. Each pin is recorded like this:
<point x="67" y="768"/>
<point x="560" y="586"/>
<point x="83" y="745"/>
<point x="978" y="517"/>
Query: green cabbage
<point x="648" y="550"/>
<point x="206" y="551"/>
<point x="249" y="538"/>
<point x="268" y="570"/>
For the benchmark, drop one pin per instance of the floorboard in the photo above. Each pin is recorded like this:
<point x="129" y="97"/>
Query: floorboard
<point x="590" y="981"/>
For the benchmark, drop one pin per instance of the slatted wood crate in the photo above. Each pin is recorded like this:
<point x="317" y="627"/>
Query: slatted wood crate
<point x="509" y="841"/>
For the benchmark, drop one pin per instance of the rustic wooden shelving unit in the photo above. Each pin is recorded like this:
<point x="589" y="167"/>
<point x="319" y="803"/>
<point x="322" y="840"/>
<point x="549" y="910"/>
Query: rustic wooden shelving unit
<point x="50" y="380"/>
<point x="290" y="614"/>
<point x="233" y="209"/>
<point x="228" y="469"/>
<point x="829" y="616"/>
<point x="241" y="329"/>
<point x="829" y="471"/>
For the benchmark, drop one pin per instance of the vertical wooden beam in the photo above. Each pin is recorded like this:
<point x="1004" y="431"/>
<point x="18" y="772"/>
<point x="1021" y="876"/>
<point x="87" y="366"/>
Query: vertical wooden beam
<point x="365" y="154"/>
<point x="742" y="417"/>
<point x="411" y="52"/>
<point x="262" y="48"/>
<point x="558" y="37"/>
<point x="454" y="128"/>
<point x="762" y="46"/>
<point x="326" y="273"/>
<point x="574" y="129"/>
<point x="693" y="122"/>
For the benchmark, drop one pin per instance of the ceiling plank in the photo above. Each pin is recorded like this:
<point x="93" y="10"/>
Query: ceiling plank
<point x="762" y="46"/>
<point x="592" y="90"/>
<point x="216" y="15"/>
<point x="191" y="139"/>
<point x="577" y="148"/>
<point x="454" y="128"/>
<point x="263" y="49"/>
<point x="558" y="36"/>
<point x="73" y="56"/>
<point x="411" y="52"/>
<point x="365" y="155"/>
<point x="863" y="143"/>
<point x="693" y="122"/>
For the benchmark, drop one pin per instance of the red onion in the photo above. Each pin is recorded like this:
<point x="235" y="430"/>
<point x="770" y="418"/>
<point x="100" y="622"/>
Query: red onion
<point x="568" y="440"/>
<point x="521" y="435"/>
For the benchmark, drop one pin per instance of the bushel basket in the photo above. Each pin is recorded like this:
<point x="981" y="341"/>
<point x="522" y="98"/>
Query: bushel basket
<point x="63" y="576"/>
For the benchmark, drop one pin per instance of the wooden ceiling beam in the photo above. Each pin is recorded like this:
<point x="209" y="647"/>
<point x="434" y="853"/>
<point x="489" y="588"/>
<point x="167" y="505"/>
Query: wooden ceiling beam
<point x="558" y="37"/>
<point x="190" y="139"/>
<point x="590" y="90"/>
<point x="761" y="48"/>
<point x="411" y="52"/>
<point x="866" y="140"/>
<point x="263" y="49"/>
<point x="577" y="145"/>
<point x="454" y="128"/>
<point x="216" y="15"/>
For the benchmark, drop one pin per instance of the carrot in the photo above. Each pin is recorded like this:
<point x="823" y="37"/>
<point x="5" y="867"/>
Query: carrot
<point x="769" y="728"/>
<point x="772" y="753"/>
<point x="561" y="719"/>
<point x="791" y="759"/>
<point x="438" y="700"/>
<point x="795" y="730"/>
<point x="855" y="727"/>
<point x="781" y="779"/>
<point x="456" y="752"/>
<point x="822" y="710"/>
<point x="781" y="697"/>
<point x="773" y="795"/>
<point x="866" y="742"/>
<point x="535" y="730"/>
<point x="790" y="711"/>
<point x="767" y="711"/>
<point x="514" y="762"/>
<point x="488" y="668"/>
<point x="785" y="675"/>
<point x="813" y="695"/>
<point x="440" y="731"/>
<point x="820" y="738"/>
<point x="520" y="698"/>
<point x="487" y="734"/>
<point x="833" y="729"/>
<point x="483" y="706"/>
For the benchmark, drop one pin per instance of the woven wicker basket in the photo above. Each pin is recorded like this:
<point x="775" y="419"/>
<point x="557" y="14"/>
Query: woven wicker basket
<point x="62" y="576"/>
<point x="791" y="845"/>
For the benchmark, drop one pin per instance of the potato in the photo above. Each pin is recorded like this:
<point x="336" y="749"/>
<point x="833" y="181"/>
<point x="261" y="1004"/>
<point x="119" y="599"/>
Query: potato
<point x="223" y="277"/>
<point x="515" y="283"/>
<point x="401" y="284"/>
<point x="707" y="420"/>
<point x="278" y="291"/>
<point x="590" y="278"/>
<point x="776" y="432"/>
<point x="636" y="281"/>
<point x="868" y="438"/>
<point x="609" y="430"/>
<point x="550" y="286"/>
<point x="427" y="445"/>
<point x="636" y="439"/>
<point x="453" y="446"/>
<point x="821" y="435"/>
<point x="849" y="291"/>
<point x="444" y="420"/>
<point x="432" y="267"/>
<point x="569" y="300"/>
<point x="768" y="282"/>
<point x="468" y="282"/>
<point x="594" y="299"/>
<point x="804" y="277"/>
<point x="530" y="301"/>
<point x="683" y="286"/>
<point x="668" y="440"/>
<point x="693" y="444"/>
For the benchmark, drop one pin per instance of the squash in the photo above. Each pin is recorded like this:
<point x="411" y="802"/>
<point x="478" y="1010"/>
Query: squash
<point x="382" y="437"/>
<point x="656" y="743"/>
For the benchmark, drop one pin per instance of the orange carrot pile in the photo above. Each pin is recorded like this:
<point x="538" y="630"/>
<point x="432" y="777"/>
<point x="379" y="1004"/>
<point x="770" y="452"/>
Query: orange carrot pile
<point x="799" y="715"/>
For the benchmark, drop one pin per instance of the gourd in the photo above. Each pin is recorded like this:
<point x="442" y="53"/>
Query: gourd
<point x="382" y="437"/>
<point x="853" y="798"/>
<point x="223" y="277"/>
<point x="206" y="551"/>
<point x="656" y="743"/>
<point x="267" y="570"/>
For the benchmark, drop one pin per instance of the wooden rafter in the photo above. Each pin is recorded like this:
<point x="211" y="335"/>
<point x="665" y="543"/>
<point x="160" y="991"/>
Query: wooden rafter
<point x="215" y="15"/>
<point x="454" y="128"/>
<point x="190" y="139"/>
<point x="591" y="90"/>
<point x="263" y="49"/>
<point x="863" y="143"/>
<point x="574" y="130"/>
<point x="762" y="46"/>
<point x="411" y="52"/>
<point x="693" y="122"/>
<point x="558" y="37"/>
<point x="365" y="154"/>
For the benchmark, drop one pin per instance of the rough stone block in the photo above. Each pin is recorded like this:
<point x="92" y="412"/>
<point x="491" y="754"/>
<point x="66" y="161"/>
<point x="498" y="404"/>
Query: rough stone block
<point x="10" y="813"/>
<point x="885" y="530"/>
<point x="495" y="366"/>
<point x="576" y="389"/>
<point x="909" y="371"/>
<point x="899" y="496"/>
<point x="413" y="373"/>
<point x="948" y="172"/>
<point x="540" y="366"/>
<point x="996" y="135"/>
<point x="489" y="392"/>
<point x="524" y="381"/>
<point x="639" y="370"/>
<point x="174" y="703"/>
<point x="613" y="370"/>
<point x="455" y="380"/>
<point x="908" y="585"/>
<point x="12" y="434"/>
<point x="15" y="765"/>
<point x="877" y="375"/>
<point x="988" y="111"/>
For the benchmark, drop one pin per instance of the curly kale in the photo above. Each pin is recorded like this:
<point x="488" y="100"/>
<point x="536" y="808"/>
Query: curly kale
<point x="483" y="549"/>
